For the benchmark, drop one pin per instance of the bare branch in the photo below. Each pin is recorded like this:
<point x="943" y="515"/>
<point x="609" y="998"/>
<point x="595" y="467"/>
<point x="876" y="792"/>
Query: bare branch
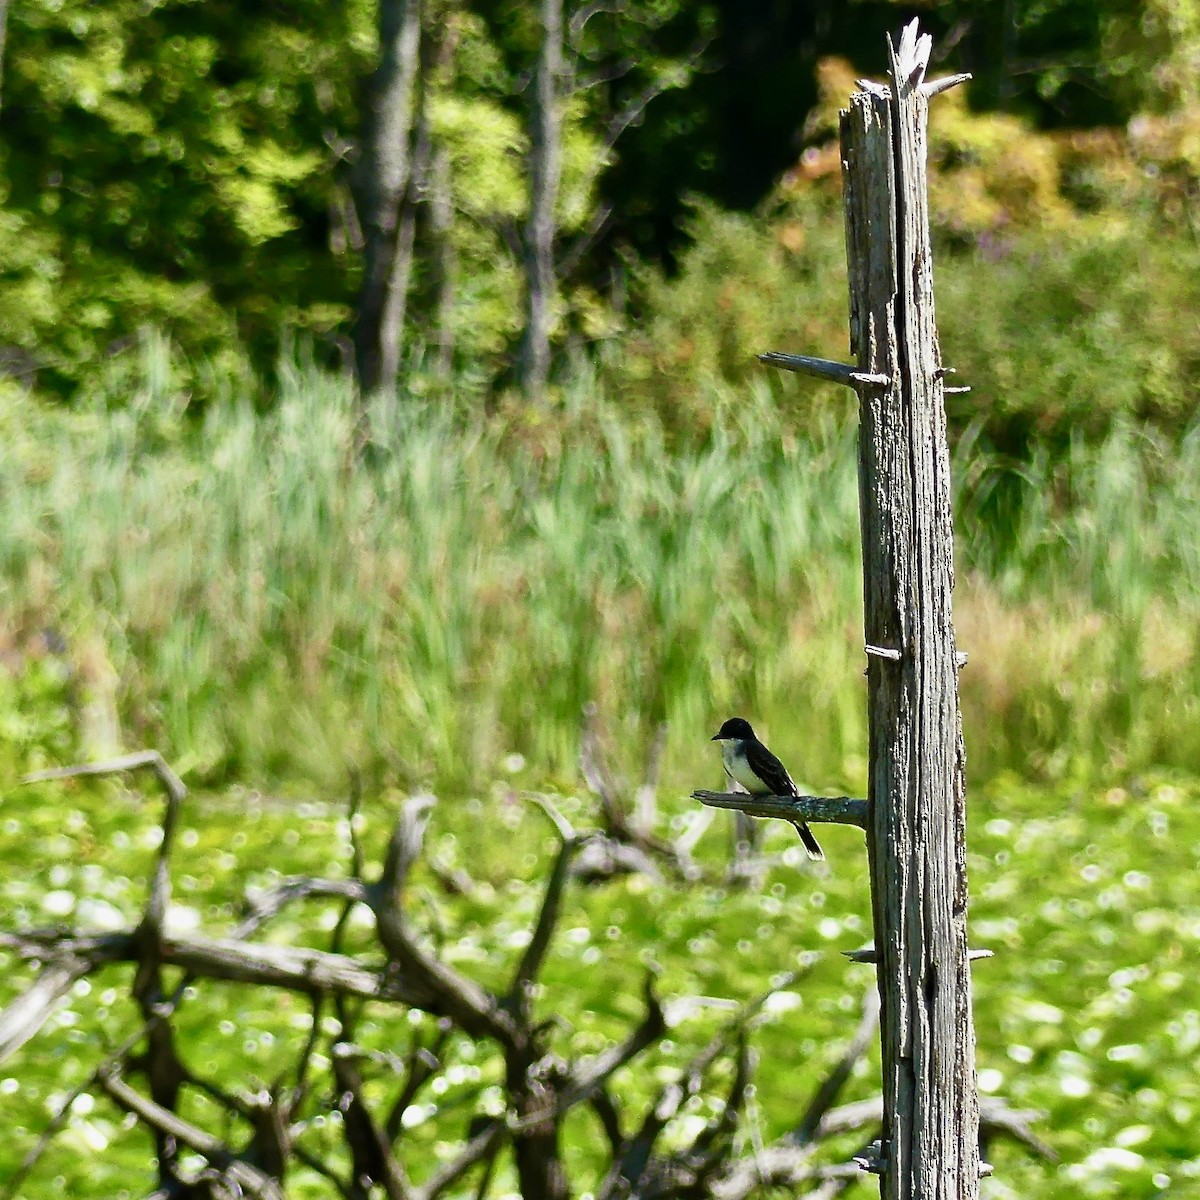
<point x="270" y="902"/>
<point x="129" y="762"/>
<point x="483" y="1144"/>
<point x="520" y="992"/>
<point x="423" y="1062"/>
<point x="806" y="1130"/>
<point x="610" y="1120"/>
<point x="22" y="1019"/>
<point x="591" y="1078"/>
<point x="645" y="804"/>
<point x="636" y="1158"/>
<point x="596" y="773"/>
<point x="370" y="1148"/>
<point x="599" y="224"/>
<point x="176" y="793"/>
<point x="605" y="857"/>
<point x="708" y="1150"/>
<point x="935" y="87"/>
<point x="241" y="1174"/>
<point x="585" y="13"/>
<point x="296" y="969"/>
<point x="997" y="1119"/>
<point x="563" y="827"/>
<point x="445" y="991"/>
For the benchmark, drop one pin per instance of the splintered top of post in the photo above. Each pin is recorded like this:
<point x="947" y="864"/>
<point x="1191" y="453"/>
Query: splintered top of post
<point x="911" y="59"/>
<point x="908" y="66"/>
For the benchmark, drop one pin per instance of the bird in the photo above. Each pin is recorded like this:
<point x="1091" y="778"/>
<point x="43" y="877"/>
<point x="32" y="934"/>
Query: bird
<point x="748" y="762"/>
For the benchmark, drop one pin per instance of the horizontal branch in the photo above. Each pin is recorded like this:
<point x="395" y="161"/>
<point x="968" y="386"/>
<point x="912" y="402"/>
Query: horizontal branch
<point x="127" y="762"/>
<point x="869" y="956"/>
<point x="291" y="968"/>
<point x="837" y="810"/>
<point x="888" y="652"/>
<point x="822" y="368"/>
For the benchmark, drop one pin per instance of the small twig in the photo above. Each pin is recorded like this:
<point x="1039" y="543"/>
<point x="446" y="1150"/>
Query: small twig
<point x="483" y="1144"/>
<point x="823" y="368"/>
<point x="645" y="803"/>
<point x="635" y="1160"/>
<point x="592" y="1077"/>
<point x="422" y="1063"/>
<point x="888" y="652"/>
<point x="176" y="793"/>
<point x="563" y="827"/>
<point x="935" y="87"/>
<point x="596" y="773"/>
<point x="270" y="902"/>
<point x="869" y="955"/>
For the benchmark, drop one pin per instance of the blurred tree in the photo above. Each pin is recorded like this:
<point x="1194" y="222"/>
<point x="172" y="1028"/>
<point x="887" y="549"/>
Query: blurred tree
<point x="384" y="177"/>
<point x="545" y="166"/>
<point x="201" y="168"/>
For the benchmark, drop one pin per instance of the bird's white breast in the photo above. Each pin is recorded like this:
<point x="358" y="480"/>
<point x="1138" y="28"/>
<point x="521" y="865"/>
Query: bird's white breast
<point x="738" y="768"/>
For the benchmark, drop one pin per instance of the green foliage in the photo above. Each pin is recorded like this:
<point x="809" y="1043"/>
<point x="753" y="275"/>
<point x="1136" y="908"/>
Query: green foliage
<point x="1063" y="315"/>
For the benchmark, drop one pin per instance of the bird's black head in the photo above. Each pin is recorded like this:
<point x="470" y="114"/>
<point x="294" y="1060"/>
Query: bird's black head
<point x="735" y="729"/>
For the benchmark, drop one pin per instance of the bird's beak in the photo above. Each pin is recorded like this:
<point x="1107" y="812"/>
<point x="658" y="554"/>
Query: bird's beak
<point x="716" y="737"/>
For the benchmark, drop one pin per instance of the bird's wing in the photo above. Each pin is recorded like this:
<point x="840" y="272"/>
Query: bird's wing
<point x="770" y="770"/>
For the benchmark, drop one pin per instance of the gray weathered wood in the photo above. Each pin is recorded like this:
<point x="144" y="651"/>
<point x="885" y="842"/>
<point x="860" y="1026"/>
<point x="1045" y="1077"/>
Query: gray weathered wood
<point x="820" y="368"/>
<point x="916" y="826"/>
<point x="839" y="810"/>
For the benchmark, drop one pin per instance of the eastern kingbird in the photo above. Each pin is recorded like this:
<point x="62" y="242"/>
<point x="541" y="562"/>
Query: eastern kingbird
<point x="748" y="762"/>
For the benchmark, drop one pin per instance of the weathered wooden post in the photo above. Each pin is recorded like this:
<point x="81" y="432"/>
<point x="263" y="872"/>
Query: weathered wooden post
<point x="915" y="814"/>
<point x="916" y="835"/>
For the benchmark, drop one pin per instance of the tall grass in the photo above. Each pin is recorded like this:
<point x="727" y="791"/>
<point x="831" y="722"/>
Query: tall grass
<point x="235" y="591"/>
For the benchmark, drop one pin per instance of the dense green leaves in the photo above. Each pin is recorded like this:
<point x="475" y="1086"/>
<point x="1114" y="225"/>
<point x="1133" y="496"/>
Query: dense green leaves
<point x="185" y="167"/>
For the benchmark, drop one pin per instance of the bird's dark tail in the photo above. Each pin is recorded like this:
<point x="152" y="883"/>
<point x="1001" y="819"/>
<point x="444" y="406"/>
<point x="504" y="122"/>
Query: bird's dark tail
<point x="810" y="843"/>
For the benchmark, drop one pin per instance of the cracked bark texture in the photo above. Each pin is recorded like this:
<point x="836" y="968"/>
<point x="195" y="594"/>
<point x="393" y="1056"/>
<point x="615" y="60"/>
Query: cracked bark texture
<point x="916" y="820"/>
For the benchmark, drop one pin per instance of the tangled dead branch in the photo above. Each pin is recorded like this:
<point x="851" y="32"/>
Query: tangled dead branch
<point x="266" y="1131"/>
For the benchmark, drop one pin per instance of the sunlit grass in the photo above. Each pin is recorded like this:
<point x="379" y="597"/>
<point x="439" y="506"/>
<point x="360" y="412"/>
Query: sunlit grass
<point x="235" y="591"/>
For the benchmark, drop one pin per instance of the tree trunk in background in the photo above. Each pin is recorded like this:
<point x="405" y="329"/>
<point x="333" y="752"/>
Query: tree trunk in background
<point x="441" y="216"/>
<point x="383" y="177"/>
<point x="3" y="33"/>
<point x="438" y="188"/>
<point x="396" y="302"/>
<point x="545" y="154"/>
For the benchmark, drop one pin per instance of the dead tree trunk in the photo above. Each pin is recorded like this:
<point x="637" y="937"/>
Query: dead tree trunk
<point x="545" y="155"/>
<point x="916" y="835"/>
<point x="916" y="815"/>
<point x="383" y="176"/>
